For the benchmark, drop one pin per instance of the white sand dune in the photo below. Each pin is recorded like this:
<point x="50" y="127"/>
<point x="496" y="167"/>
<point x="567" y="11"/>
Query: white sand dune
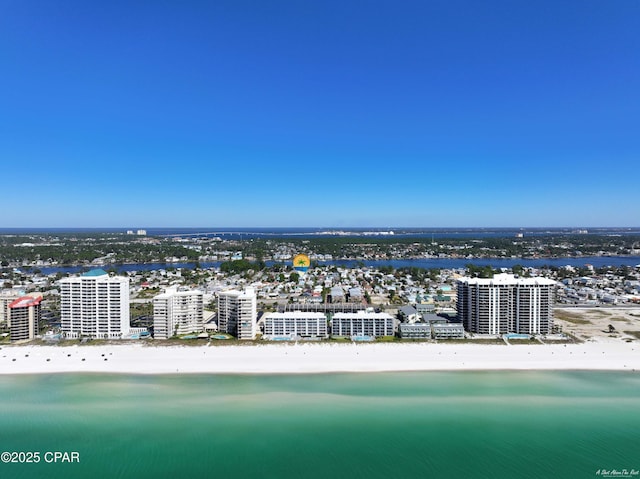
<point x="315" y="358"/>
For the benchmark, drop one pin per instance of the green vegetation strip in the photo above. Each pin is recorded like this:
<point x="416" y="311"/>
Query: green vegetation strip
<point x="570" y="317"/>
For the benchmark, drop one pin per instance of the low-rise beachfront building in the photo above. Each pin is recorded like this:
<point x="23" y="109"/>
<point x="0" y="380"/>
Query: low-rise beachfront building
<point x="95" y="305"/>
<point x="414" y="330"/>
<point x="433" y="318"/>
<point x="237" y="313"/>
<point x="294" y="325"/>
<point x="409" y="314"/>
<point x="24" y="317"/>
<point x="355" y="294"/>
<point x="447" y="331"/>
<point x="177" y="312"/>
<point x="425" y="308"/>
<point x="506" y="304"/>
<point x="362" y="323"/>
<point x="336" y="293"/>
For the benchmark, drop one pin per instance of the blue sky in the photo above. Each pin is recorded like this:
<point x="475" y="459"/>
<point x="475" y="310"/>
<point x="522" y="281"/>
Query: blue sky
<point x="333" y="113"/>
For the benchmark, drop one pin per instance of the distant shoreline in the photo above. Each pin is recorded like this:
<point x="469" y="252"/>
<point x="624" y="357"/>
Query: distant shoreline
<point x="310" y="358"/>
<point x="319" y="229"/>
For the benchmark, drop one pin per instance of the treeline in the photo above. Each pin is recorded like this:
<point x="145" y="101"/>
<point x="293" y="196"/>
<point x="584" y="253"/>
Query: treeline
<point x="86" y="247"/>
<point x="241" y="266"/>
<point x="79" y="251"/>
<point x="551" y="246"/>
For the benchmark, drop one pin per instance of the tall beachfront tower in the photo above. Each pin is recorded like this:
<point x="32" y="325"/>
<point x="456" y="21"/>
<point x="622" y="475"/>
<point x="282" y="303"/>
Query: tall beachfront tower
<point x="506" y="304"/>
<point x="177" y="312"/>
<point x="237" y="313"/>
<point x="7" y="296"/>
<point x="24" y="317"/>
<point x="95" y="305"/>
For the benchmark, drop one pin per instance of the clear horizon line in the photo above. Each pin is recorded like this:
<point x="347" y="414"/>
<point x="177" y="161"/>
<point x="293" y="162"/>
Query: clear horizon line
<point x="320" y="227"/>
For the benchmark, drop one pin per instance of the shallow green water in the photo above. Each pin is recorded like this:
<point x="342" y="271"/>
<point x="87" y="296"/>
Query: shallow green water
<point x="387" y="425"/>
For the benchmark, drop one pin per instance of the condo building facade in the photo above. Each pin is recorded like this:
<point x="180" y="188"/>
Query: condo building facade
<point x="95" y="305"/>
<point x="506" y="304"/>
<point x="7" y="297"/>
<point x="414" y="330"/>
<point x="295" y="324"/>
<point x="362" y="323"/>
<point x="447" y="330"/>
<point x="24" y="317"/>
<point x="177" y="312"/>
<point x="237" y="313"/>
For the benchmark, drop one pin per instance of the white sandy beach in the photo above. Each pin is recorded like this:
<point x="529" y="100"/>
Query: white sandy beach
<point x="315" y="358"/>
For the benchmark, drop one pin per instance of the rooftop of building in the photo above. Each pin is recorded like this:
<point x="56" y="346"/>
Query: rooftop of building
<point x="173" y="291"/>
<point x="362" y="314"/>
<point x="408" y="310"/>
<point x="95" y="272"/>
<point x="10" y="293"/>
<point x="248" y="292"/>
<point x="507" y="279"/>
<point x="415" y="326"/>
<point x="296" y="315"/>
<point x="26" y="302"/>
<point x="448" y="326"/>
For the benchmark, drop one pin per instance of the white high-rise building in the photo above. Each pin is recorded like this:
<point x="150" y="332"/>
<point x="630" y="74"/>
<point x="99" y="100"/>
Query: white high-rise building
<point x="7" y="296"/>
<point x="237" y="313"/>
<point x="506" y="304"/>
<point x="95" y="305"/>
<point x="177" y="312"/>
<point x="295" y="324"/>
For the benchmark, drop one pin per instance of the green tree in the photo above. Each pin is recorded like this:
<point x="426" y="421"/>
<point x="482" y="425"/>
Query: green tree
<point x="367" y="297"/>
<point x="480" y="271"/>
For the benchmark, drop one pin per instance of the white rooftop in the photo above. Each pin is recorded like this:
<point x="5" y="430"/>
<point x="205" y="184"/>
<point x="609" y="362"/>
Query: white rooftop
<point x="508" y="279"/>
<point x="362" y="314"/>
<point x="173" y="291"/>
<point x="296" y="315"/>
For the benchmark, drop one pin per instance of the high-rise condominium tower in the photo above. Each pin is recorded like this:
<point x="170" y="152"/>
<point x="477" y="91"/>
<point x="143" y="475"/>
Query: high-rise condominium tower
<point x="237" y="313"/>
<point x="506" y="304"/>
<point x="177" y="312"/>
<point x="95" y="305"/>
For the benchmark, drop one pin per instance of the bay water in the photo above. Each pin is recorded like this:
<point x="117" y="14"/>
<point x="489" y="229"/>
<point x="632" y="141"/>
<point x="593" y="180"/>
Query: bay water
<point x="493" y="424"/>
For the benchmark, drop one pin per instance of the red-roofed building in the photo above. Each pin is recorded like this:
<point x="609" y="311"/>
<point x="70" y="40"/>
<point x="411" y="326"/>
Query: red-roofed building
<point x="24" y="317"/>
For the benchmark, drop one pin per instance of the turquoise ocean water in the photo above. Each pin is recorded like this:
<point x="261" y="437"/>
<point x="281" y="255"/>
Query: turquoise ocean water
<point x="383" y="425"/>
